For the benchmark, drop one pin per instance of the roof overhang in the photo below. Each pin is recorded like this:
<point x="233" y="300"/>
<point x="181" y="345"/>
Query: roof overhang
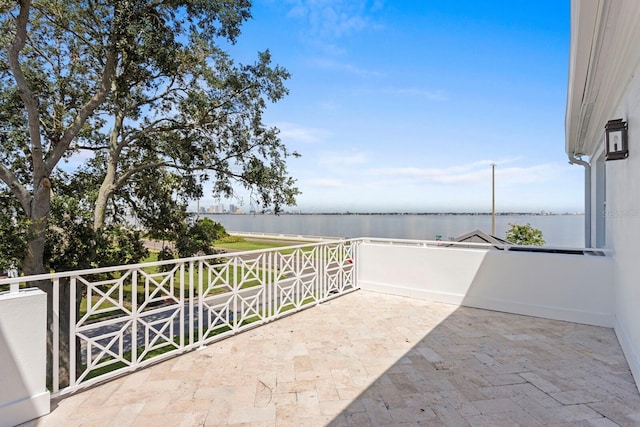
<point x="603" y="58"/>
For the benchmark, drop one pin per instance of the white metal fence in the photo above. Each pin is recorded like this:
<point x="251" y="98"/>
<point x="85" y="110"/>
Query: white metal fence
<point x="125" y="317"/>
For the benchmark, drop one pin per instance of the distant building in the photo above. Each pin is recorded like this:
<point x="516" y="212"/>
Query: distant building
<point x="232" y="209"/>
<point x="478" y="236"/>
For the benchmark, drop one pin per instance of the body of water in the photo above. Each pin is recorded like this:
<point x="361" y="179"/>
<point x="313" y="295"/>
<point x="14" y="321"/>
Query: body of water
<point x="558" y="230"/>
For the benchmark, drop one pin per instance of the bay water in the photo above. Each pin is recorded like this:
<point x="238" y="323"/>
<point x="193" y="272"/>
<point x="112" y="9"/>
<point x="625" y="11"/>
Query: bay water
<point x="557" y="230"/>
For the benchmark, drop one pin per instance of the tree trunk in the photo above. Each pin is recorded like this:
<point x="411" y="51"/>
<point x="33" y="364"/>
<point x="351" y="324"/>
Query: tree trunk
<point x="108" y="184"/>
<point x="106" y="189"/>
<point x="33" y="263"/>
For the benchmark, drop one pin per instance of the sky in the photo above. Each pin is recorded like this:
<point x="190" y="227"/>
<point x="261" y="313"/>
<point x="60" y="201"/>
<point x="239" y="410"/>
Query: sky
<point x="402" y="106"/>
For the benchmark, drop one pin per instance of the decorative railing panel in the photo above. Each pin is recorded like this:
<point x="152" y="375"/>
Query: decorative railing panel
<point x="108" y="321"/>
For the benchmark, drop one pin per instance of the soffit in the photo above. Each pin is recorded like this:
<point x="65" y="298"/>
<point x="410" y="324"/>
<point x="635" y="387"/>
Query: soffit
<point x="604" y="55"/>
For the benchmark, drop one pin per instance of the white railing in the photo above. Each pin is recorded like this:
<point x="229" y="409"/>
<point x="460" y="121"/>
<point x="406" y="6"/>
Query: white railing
<point x="126" y="317"/>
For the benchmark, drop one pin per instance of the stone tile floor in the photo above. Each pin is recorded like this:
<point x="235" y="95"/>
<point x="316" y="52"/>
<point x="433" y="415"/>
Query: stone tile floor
<point x="373" y="359"/>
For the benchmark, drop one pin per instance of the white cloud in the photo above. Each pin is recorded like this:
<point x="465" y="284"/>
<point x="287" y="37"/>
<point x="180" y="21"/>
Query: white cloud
<point x="291" y="132"/>
<point x="330" y="106"/>
<point x="326" y="183"/>
<point x="338" y="159"/>
<point x="466" y="174"/>
<point x="434" y="95"/>
<point x="334" y="18"/>
<point x="345" y="68"/>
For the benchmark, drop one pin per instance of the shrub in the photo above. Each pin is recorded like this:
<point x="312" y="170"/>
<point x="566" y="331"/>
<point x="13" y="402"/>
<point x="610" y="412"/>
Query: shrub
<point x="524" y="235"/>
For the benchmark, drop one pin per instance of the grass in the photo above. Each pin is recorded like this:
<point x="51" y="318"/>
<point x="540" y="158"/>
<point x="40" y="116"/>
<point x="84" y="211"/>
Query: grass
<point x="127" y="356"/>
<point x="254" y="246"/>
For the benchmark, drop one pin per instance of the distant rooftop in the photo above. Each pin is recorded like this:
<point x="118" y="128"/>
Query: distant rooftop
<point x="478" y="236"/>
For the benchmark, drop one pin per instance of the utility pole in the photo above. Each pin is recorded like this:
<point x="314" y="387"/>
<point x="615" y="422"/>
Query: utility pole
<point x="493" y="199"/>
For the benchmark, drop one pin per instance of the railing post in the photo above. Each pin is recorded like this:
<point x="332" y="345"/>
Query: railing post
<point x="182" y="308"/>
<point x="200" y="301"/>
<point x="273" y="277"/>
<point x="317" y="257"/>
<point x="356" y="261"/>
<point x="265" y="286"/>
<point x="72" y="332"/>
<point x="235" y="293"/>
<point x="321" y="271"/>
<point x="134" y="315"/>
<point x="55" y="364"/>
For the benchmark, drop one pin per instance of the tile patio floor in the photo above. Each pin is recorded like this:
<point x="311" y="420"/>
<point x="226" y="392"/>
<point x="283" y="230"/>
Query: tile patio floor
<point x="374" y="359"/>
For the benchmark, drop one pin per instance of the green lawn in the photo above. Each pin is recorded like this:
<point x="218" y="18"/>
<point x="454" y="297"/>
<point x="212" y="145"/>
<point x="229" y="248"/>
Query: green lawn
<point x="252" y="245"/>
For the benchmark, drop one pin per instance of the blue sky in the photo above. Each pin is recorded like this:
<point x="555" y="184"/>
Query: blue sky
<point x="403" y="105"/>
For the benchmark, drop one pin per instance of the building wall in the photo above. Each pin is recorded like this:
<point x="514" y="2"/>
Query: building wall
<point x="622" y="227"/>
<point x="604" y="85"/>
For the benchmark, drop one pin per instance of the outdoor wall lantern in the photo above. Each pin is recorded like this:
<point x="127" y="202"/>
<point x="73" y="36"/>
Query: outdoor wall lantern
<point x="615" y="140"/>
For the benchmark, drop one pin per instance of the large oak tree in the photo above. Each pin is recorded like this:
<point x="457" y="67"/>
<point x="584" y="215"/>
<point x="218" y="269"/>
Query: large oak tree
<point x="146" y="89"/>
<point x="143" y="96"/>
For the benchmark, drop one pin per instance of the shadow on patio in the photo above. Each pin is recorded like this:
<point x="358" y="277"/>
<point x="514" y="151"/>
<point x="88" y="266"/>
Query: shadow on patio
<point x="486" y="368"/>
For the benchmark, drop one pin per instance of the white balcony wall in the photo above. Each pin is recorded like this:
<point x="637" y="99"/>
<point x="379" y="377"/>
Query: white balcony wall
<point x="576" y="288"/>
<point x="23" y="343"/>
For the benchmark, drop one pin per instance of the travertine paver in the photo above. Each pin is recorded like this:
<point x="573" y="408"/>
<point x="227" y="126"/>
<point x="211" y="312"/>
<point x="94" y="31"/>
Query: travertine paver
<point x="373" y="359"/>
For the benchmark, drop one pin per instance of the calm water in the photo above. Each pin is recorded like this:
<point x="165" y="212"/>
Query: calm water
<point x="558" y="230"/>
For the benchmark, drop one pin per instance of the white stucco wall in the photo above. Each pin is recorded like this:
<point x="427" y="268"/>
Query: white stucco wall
<point x="623" y="227"/>
<point x="575" y="288"/>
<point x="23" y="326"/>
<point x="604" y="85"/>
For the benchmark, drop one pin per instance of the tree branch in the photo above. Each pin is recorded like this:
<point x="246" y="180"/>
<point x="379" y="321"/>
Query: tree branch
<point x="26" y="95"/>
<point x="169" y="90"/>
<point x="122" y="180"/>
<point x="45" y="13"/>
<point x="153" y="127"/>
<point x="87" y="109"/>
<point x="97" y="148"/>
<point x="18" y="190"/>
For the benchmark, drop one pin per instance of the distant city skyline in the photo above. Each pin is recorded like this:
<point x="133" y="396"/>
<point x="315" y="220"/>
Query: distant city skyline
<point x="404" y="106"/>
<point x="221" y="208"/>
